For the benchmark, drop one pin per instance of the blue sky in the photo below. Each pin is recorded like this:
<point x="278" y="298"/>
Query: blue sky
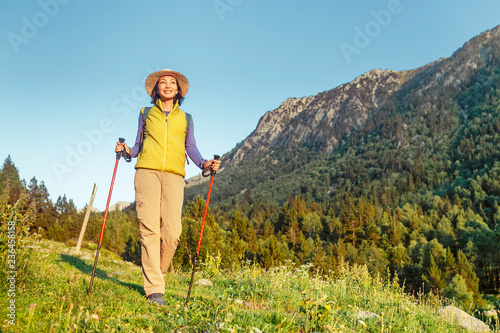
<point x="72" y="72"/>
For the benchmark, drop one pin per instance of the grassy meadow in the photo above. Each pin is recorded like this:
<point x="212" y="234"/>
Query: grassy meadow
<point x="284" y="299"/>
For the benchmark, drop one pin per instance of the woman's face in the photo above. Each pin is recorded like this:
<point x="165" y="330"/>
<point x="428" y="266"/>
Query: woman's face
<point x="167" y="87"/>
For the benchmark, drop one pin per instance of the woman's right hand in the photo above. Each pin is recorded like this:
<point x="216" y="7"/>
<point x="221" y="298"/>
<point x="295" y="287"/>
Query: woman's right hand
<point x="120" y="146"/>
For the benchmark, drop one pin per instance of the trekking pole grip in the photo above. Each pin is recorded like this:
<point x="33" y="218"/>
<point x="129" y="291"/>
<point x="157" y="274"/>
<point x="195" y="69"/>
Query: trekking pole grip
<point x="119" y="153"/>
<point x="126" y="156"/>
<point x="216" y="157"/>
<point x="208" y="170"/>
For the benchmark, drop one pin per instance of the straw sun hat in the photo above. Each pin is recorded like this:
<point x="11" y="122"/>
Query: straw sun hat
<point x="153" y="77"/>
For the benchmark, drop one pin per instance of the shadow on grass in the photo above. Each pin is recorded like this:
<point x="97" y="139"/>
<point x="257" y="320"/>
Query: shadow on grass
<point x="86" y="269"/>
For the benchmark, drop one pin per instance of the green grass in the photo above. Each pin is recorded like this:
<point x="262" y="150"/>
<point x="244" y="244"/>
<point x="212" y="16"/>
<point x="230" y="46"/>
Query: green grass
<point x="284" y="299"/>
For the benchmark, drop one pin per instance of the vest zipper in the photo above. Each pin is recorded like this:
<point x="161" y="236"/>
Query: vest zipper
<point x="165" y="154"/>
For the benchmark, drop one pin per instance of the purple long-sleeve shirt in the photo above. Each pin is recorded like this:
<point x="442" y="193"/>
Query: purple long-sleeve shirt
<point x="191" y="149"/>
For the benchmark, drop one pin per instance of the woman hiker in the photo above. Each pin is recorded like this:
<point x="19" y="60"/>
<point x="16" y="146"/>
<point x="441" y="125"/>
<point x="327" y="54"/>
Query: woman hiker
<point x="162" y="140"/>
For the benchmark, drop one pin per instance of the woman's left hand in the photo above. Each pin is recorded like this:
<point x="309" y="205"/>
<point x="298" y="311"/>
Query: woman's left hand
<point x="213" y="163"/>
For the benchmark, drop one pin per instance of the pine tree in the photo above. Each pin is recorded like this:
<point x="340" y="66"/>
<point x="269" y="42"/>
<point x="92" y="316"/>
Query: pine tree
<point x="434" y="277"/>
<point x="434" y="271"/>
<point x="312" y="223"/>
<point x="351" y="222"/>
<point x="445" y="233"/>
<point x="270" y="253"/>
<point x="457" y="290"/>
<point x="466" y="270"/>
<point x="293" y="232"/>
<point x="319" y="254"/>
<point x="9" y="173"/>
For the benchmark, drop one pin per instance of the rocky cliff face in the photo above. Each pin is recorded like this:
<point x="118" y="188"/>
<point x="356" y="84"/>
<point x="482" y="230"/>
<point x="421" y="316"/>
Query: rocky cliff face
<point x="322" y="121"/>
<point x="319" y="120"/>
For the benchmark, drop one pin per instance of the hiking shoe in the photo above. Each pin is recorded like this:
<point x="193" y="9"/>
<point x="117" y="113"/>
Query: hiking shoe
<point x="156" y="299"/>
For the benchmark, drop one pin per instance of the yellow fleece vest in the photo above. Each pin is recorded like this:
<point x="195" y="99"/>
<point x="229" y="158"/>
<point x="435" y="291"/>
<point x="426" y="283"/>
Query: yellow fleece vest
<point x="164" y="142"/>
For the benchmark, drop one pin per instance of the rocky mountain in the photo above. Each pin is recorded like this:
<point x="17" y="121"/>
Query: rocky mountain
<point x="320" y="120"/>
<point x="120" y="205"/>
<point x="84" y="210"/>
<point x="348" y="114"/>
<point x="323" y="120"/>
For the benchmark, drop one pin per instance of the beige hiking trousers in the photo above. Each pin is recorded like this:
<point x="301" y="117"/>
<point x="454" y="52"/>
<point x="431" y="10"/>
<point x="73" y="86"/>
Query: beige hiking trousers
<point x="159" y="197"/>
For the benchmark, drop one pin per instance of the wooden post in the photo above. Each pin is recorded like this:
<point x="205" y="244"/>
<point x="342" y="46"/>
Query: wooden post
<point x="85" y="221"/>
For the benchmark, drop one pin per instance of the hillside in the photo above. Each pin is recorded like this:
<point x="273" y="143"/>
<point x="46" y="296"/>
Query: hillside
<point x="284" y="299"/>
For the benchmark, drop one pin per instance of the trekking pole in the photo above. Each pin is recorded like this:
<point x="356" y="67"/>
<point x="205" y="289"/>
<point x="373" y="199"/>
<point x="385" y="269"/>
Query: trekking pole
<point x="212" y="174"/>
<point x="127" y="158"/>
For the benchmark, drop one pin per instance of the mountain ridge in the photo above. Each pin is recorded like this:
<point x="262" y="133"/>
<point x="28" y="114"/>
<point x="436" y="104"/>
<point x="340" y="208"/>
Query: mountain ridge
<point x="345" y="115"/>
<point x="343" y="109"/>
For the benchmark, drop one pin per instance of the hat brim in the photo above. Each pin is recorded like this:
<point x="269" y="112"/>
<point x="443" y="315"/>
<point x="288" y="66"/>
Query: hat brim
<point x="182" y="81"/>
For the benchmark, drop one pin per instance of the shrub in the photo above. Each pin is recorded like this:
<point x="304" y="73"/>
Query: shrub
<point x="16" y="243"/>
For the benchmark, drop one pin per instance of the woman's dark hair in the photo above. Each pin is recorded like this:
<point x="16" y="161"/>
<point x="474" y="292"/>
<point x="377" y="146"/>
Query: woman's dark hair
<point x="155" y="96"/>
